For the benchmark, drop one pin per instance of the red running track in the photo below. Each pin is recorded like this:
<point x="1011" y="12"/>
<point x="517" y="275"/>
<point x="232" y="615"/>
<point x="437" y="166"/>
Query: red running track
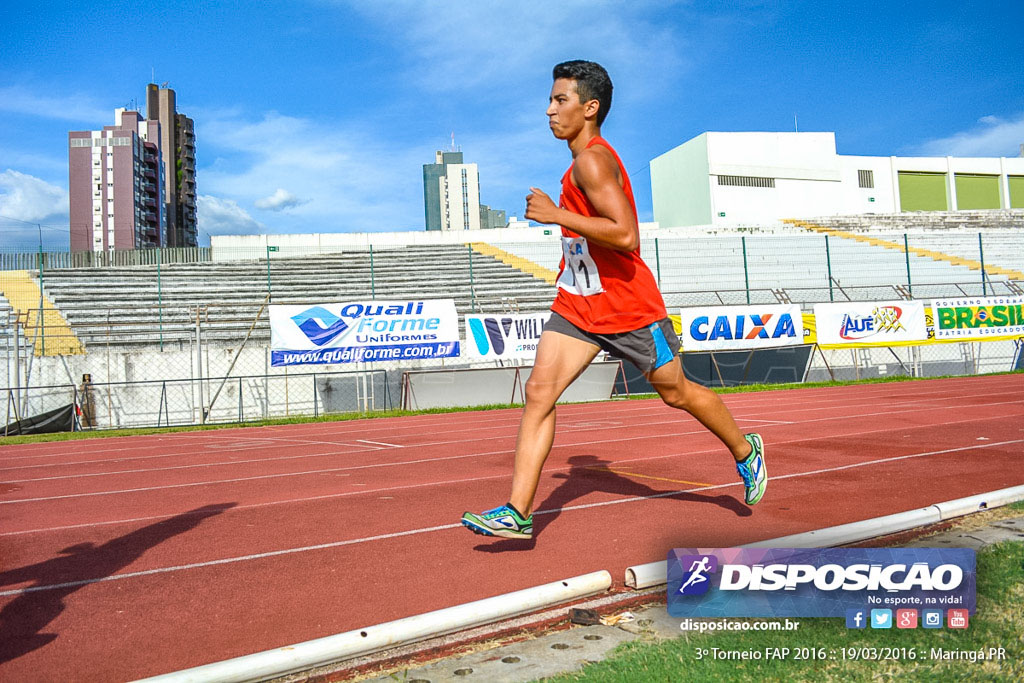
<point x="128" y="557"/>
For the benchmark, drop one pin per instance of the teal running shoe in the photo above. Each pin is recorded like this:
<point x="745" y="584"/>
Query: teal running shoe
<point x="753" y="470"/>
<point x="504" y="521"/>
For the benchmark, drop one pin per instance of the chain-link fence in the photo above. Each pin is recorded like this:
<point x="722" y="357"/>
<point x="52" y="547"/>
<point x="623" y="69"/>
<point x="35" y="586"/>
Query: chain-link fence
<point x="182" y="337"/>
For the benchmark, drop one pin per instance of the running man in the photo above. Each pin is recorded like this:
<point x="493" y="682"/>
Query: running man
<point x="607" y="299"/>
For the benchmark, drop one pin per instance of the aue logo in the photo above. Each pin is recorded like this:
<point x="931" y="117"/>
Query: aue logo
<point x="882" y="319"/>
<point x="319" y="325"/>
<point x="696" y="579"/>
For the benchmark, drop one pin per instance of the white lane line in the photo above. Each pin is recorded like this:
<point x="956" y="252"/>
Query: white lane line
<point x="228" y="560"/>
<point x="442" y="527"/>
<point x="843" y="418"/>
<point x="480" y="424"/>
<point x="380" y="443"/>
<point x="670" y="421"/>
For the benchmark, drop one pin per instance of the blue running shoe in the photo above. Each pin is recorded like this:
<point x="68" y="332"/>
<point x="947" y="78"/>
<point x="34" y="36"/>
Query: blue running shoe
<point x="504" y="521"/>
<point x="753" y="470"/>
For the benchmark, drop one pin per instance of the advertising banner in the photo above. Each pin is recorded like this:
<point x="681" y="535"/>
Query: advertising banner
<point x="731" y="328"/>
<point x="876" y="323"/>
<point x="818" y="582"/>
<point x="363" y="331"/>
<point x="496" y="337"/>
<point x="975" y="318"/>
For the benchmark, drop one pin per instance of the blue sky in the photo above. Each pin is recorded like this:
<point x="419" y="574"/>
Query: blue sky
<point x="317" y="115"/>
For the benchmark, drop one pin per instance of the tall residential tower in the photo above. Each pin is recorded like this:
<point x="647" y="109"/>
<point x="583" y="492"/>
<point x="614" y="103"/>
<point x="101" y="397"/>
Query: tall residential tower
<point x="116" y="181"/>
<point x="451" y="196"/>
<point x="178" y="142"/>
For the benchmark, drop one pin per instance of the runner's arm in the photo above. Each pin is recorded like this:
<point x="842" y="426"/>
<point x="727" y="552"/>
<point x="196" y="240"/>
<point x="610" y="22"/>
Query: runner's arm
<point x="596" y="173"/>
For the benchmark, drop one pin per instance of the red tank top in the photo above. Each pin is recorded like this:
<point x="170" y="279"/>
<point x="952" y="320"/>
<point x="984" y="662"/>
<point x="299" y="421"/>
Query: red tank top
<point x="603" y="290"/>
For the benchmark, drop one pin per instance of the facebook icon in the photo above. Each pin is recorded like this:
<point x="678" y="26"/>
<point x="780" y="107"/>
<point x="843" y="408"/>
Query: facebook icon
<point x="856" y="618"/>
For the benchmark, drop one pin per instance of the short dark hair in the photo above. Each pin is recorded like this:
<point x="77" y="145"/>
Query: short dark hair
<point x="592" y="83"/>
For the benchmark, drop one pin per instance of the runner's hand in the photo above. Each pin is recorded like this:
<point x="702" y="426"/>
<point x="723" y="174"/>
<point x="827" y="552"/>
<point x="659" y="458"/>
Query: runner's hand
<point x="540" y="207"/>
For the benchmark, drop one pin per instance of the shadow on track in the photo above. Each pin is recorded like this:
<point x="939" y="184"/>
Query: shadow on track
<point x="589" y="474"/>
<point x="23" y="619"/>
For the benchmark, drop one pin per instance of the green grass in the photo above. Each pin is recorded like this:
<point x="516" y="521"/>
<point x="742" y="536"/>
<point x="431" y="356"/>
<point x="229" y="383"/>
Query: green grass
<point x="339" y="417"/>
<point x="998" y="622"/>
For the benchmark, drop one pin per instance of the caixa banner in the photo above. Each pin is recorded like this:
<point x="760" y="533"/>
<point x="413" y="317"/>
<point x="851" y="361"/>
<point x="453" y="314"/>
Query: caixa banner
<point x="363" y="331"/>
<point x="817" y="582"/>
<point x="733" y="328"/>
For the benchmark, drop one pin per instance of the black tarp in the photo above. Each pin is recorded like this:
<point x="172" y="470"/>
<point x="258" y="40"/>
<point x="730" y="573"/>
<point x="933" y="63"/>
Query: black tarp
<point x="60" y="420"/>
<point x="729" y="368"/>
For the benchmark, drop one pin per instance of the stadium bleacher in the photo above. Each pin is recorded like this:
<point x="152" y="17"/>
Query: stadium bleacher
<point x="144" y="305"/>
<point x="129" y="306"/>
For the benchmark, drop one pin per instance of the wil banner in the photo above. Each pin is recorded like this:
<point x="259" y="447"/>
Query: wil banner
<point x="817" y="582"/>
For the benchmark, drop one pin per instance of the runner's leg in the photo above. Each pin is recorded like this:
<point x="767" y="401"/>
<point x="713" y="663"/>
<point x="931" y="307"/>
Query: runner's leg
<point x="705" y="405"/>
<point x="560" y="360"/>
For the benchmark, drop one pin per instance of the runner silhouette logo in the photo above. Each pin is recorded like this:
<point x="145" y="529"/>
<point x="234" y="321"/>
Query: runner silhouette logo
<point x="696" y="578"/>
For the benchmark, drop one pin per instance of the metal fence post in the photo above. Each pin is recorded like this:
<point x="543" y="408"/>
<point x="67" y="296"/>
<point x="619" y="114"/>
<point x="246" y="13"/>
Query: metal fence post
<point x="42" y="322"/>
<point x="268" y="273"/>
<point x="657" y="260"/>
<point x="981" y="256"/>
<point x="828" y="261"/>
<point x="906" y="253"/>
<point x="472" y="289"/>
<point x="159" y="298"/>
<point x="746" y="271"/>
<point x="316" y="409"/>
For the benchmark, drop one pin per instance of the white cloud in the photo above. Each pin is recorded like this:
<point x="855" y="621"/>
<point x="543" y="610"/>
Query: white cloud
<point x="352" y="180"/>
<point x="218" y="216"/>
<point x="991" y="137"/>
<point x="82" y="109"/>
<point x="279" y="201"/>
<point x="460" y="46"/>
<point x="27" y="198"/>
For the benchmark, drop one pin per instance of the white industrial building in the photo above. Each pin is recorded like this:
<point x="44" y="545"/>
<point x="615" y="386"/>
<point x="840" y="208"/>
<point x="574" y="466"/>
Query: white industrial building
<point x="733" y="179"/>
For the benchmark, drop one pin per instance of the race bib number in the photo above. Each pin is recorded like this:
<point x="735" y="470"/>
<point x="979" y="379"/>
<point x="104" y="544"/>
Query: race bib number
<point x="580" y="275"/>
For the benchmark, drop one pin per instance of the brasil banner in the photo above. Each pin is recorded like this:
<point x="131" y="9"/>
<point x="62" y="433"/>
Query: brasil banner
<point x="363" y="331"/>
<point x="972" y="318"/>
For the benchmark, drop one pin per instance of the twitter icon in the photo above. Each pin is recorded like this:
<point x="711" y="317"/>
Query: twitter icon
<point x="881" y="618"/>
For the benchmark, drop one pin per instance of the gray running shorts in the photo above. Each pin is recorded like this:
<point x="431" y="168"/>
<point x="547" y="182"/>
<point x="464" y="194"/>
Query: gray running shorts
<point x="647" y="348"/>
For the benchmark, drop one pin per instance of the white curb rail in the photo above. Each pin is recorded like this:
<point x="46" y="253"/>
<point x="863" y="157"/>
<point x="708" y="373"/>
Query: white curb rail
<point x="654" y="573"/>
<point x="313" y="653"/>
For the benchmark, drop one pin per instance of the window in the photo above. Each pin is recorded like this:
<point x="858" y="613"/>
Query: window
<point x="866" y="179"/>
<point x="745" y="181"/>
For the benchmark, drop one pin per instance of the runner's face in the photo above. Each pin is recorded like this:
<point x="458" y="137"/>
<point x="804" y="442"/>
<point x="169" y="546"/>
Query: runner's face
<point x="566" y="114"/>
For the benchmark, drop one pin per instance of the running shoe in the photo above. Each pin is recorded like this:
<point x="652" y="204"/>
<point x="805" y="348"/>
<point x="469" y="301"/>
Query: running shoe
<point x="502" y="521"/>
<point x="753" y="470"/>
